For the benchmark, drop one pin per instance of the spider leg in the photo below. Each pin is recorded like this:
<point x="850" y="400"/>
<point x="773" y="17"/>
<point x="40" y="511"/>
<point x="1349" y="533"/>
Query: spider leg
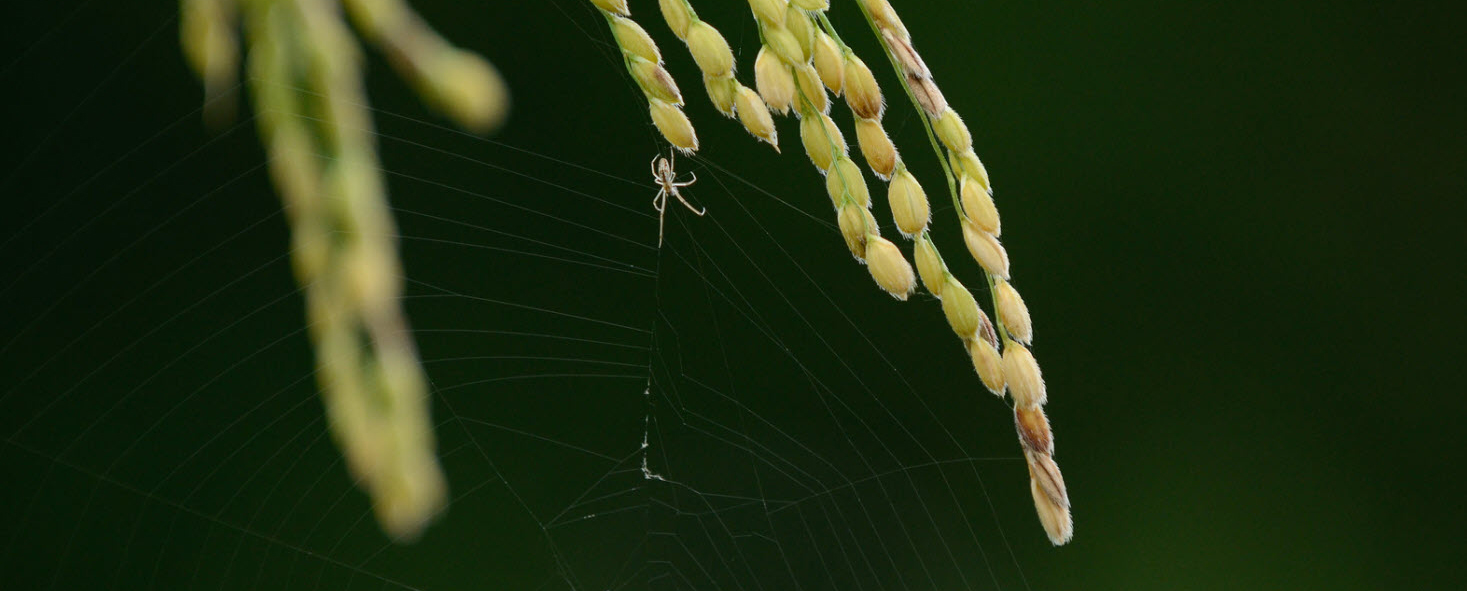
<point x="699" y="211"/>
<point x="659" y="201"/>
<point x="689" y="181"/>
<point x="654" y="168"/>
<point x="661" y="221"/>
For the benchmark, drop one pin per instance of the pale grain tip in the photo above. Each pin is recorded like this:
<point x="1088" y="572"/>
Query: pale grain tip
<point x="889" y="268"/>
<point x="986" y="250"/>
<point x="978" y="204"/>
<point x="1012" y="312"/>
<point x="811" y="4"/>
<point x="674" y="125"/>
<point x="1026" y="384"/>
<point x="876" y="147"/>
<point x="909" y="207"/>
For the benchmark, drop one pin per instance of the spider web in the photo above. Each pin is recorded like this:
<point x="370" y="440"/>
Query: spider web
<point x="739" y="409"/>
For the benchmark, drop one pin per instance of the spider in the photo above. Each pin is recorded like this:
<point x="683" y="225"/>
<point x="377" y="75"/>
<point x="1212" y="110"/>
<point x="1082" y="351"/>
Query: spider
<point x="665" y="178"/>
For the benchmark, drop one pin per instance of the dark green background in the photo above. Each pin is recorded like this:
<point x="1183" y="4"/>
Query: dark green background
<point x="1238" y="227"/>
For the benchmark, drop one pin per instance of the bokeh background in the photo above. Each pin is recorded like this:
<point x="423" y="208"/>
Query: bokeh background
<point x="1239" y="227"/>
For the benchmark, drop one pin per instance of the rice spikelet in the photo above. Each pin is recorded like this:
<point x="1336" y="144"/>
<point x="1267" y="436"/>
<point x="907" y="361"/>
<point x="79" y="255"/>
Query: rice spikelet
<point x="863" y="95"/>
<point x="986" y="250"/>
<point x="960" y="308"/>
<point x="654" y="80"/>
<point x="823" y="140"/>
<point x="633" y="39"/>
<point x="755" y="116"/>
<point x="929" y="265"/>
<point x="876" y="147"/>
<point x="810" y="88"/>
<point x="828" y="62"/>
<point x="677" y="14"/>
<point x="844" y="181"/>
<point x="709" y="49"/>
<point x="674" y="125"/>
<point x="978" y="205"/>
<point x="908" y="202"/>
<point x="889" y="268"/>
<point x="1012" y="312"/>
<point x="953" y="133"/>
<point x="1026" y="384"/>
<point x="775" y="81"/>
<point x="797" y="22"/>
<point x="989" y="365"/>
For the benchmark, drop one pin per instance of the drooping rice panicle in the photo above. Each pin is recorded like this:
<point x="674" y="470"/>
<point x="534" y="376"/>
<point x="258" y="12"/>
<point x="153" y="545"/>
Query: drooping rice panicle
<point x="305" y="73"/>
<point x="972" y="195"/>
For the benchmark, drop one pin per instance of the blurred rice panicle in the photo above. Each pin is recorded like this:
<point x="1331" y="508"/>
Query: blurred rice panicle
<point x="305" y="79"/>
